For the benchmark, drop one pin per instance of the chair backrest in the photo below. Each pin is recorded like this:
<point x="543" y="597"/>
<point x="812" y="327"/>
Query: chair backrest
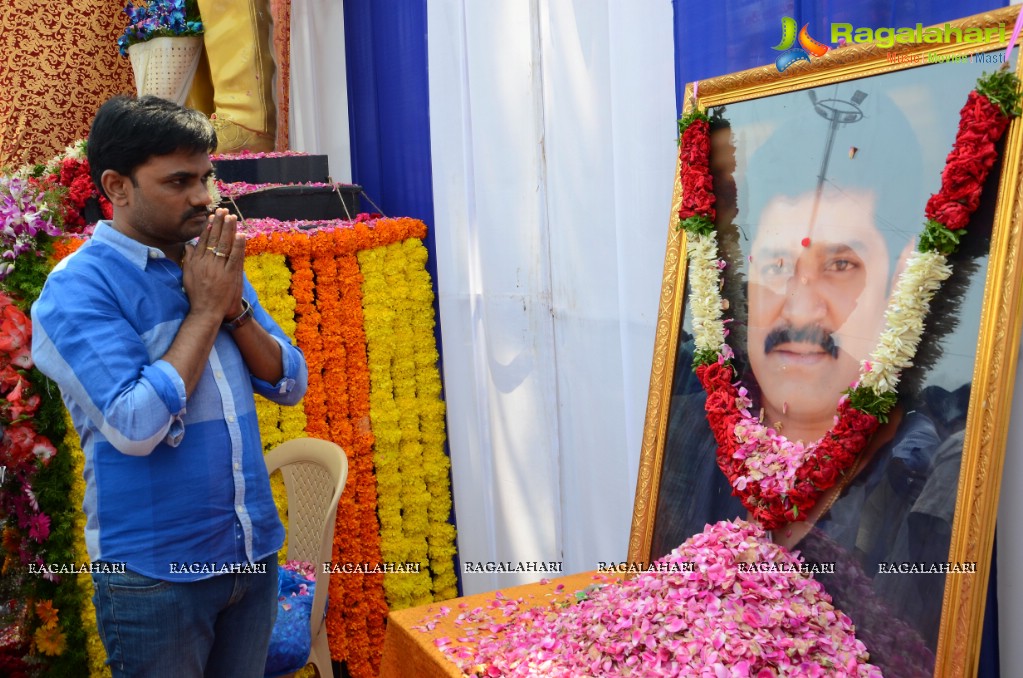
<point x="315" y="472"/>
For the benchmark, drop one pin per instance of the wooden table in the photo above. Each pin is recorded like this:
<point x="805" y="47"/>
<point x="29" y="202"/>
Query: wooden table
<point x="411" y="652"/>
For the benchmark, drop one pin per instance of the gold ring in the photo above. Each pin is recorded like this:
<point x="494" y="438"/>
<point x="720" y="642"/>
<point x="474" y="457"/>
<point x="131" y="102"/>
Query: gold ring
<point x="218" y="254"/>
<point x="212" y="249"/>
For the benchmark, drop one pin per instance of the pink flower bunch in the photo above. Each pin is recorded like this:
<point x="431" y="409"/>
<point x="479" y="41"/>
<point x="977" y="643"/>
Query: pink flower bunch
<point x="237" y="188"/>
<point x="251" y="155"/>
<point x="254" y="227"/>
<point x="726" y="603"/>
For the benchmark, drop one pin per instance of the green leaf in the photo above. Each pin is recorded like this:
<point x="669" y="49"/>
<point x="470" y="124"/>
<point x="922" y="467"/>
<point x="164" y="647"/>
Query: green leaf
<point x="688" y="119"/>
<point x="699" y="225"/>
<point x="1002" y="89"/>
<point x="869" y="401"/>
<point x="704" y="357"/>
<point x="936" y="238"/>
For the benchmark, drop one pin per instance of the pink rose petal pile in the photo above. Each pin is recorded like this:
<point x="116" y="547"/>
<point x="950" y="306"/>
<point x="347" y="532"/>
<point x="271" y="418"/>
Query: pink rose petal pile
<point x="705" y="616"/>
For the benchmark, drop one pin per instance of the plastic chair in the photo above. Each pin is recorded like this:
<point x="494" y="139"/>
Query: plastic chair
<point x="315" y="472"/>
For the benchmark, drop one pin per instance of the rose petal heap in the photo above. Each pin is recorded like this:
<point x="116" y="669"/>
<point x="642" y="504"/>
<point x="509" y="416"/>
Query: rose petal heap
<point x="727" y="602"/>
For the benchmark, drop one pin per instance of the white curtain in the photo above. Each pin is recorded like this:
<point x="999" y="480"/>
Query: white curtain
<point x="319" y="98"/>
<point x="553" y="145"/>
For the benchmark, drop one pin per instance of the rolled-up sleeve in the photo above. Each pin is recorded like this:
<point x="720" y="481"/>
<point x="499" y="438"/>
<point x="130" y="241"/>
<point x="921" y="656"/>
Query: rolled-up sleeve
<point x="102" y="365"/>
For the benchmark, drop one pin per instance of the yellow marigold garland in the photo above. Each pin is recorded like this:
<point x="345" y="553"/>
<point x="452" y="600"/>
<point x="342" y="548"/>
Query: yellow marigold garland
<point x="407" y="414"/>
<point x="432" y="435"/>
<point x="271" y="278"/>
<point x="93" y="645"/>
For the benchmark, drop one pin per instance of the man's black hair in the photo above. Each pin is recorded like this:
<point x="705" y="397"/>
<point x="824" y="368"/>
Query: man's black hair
<point x="127" y="131"/>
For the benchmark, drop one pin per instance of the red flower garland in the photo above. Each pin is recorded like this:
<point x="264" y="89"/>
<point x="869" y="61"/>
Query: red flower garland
<point x="697" y="183"/>
<point x="981" y="125"/>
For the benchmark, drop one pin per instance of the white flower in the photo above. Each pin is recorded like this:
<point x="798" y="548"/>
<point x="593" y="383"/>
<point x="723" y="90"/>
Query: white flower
<point x="704" y="294"/>
<point x="904" y="321"/>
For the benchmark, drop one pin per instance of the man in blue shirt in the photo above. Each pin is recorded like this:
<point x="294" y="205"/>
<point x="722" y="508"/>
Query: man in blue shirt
<point x="158" y="343"/>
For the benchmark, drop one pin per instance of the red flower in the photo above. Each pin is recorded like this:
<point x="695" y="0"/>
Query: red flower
<point x="823" y="475"/>
<point x="950" y="214"/>
<point x="697" y="183"/>
<point x="19" y="406"/>
<point x="15" y="328"/>
<point x="694" y="149"/>
<point x="715" y="376"/>
<point x="43" y="449"/>
<point x="16" y="446"/>
<point x="973" y="154"/>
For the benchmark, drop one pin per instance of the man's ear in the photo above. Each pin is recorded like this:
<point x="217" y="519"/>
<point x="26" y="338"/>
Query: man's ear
<point x="117" y="187"/>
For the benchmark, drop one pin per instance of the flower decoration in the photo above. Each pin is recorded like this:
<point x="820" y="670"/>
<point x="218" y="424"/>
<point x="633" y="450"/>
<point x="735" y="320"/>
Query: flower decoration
<point x="727" y="602"/>
<point x="83" y="204"/>
<point x="159" y="18"/>
<point x="29" y="208"/>
<point x="75" y="175"/>
<point x="777" y="479"/>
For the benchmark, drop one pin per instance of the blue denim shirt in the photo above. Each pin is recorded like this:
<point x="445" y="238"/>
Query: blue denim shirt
<point x="168" y="480"/>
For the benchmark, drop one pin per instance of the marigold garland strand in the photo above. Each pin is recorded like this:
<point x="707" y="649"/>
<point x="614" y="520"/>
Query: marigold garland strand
<point x="271" y="278"/>
<point x="406" y="464"/>
<point x="93" y="645"/>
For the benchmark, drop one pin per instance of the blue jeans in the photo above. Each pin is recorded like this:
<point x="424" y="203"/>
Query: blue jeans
<point x="214" y="627"/>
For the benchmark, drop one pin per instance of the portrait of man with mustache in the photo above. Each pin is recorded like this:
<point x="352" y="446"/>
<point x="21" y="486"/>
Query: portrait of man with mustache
<point x="816" y="220"/>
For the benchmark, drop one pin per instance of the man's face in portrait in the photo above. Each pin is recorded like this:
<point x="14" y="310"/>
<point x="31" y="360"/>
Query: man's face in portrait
<point x="817" y="296"/>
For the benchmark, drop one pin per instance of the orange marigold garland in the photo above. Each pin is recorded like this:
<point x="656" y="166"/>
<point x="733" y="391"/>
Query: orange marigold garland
<point x="372" y="605"/>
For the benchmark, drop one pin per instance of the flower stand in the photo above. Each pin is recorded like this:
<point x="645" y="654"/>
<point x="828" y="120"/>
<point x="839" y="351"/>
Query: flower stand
<point x="165" y="66"/>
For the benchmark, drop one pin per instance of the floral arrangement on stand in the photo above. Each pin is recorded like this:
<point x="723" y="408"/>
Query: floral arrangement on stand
<point x="150" y="19"/>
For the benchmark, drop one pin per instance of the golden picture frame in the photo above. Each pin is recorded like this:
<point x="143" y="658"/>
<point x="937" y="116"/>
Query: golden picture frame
<point x="908" y="75"/>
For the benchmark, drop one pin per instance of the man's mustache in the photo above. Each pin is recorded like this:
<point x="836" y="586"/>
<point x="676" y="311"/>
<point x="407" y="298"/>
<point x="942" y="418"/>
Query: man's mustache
<point x="809" y="334"/>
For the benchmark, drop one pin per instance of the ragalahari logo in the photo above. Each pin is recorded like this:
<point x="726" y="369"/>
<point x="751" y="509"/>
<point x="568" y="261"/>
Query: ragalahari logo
<point x="807" y="45"/>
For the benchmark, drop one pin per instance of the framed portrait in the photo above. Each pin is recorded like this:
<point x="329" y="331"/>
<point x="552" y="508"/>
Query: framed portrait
<point x="821" y="176"/>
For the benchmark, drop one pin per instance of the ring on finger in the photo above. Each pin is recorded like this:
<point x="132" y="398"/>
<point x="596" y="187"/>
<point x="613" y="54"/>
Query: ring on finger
<point x="213" y="249"/>
<point x="218" y="254"/>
